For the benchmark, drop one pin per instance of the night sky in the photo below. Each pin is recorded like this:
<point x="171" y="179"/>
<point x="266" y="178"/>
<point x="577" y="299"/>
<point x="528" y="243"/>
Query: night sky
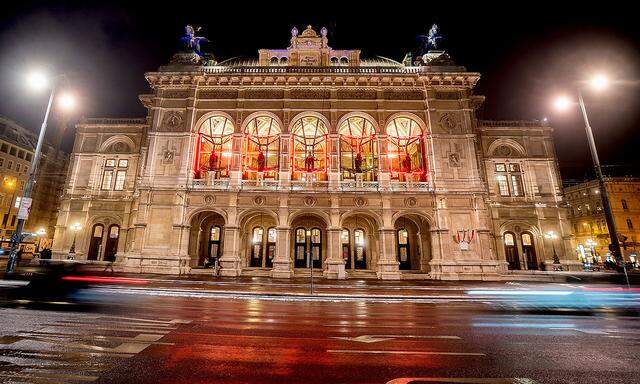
<point x="527" y="53"/>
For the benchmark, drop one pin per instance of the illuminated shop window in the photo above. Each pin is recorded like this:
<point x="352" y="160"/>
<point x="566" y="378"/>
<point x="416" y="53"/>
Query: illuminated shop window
<point x="406" y="150"/>
<point x="261" y="146"/>
<point x="309" y="135"/>
<point x="213" y="155"/>
<point x="358" y="149"/>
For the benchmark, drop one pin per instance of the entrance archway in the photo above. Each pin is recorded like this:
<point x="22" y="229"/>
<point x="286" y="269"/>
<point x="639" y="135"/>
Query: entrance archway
<point x="308" y="241"/>
<point x="258" y="240"/>
<point x="359" y="241"/>
<point x="413" y="242"/>
<point x="206" y="238"/>
<point x="111" y="246"/>
<point x="95" y="244"/>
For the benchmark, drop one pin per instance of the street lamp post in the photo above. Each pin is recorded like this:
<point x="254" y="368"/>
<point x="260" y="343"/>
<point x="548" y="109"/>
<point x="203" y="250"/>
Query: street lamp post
<point x="606" y="204"/>
<point x="75" y="227"/>
<point x="39" y="81"/>
<point x="598" y="82"/>
<point x="9" y="183"/>
<point x="552" y="236"/>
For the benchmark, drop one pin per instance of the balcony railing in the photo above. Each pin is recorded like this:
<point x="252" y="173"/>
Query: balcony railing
<point x="318" y="186"/>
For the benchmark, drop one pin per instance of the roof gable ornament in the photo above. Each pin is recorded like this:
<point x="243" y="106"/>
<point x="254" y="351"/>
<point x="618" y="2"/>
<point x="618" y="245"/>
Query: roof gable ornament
<point x="309" y="49"/>
<point x="430" y="55"/>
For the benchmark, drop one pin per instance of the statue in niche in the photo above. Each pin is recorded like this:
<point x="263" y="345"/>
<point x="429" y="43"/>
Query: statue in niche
<point x="406" y="163"/>
<point x="358" y="163"/>
<point x="309" y="163"/>
<point x="261" y="160"/>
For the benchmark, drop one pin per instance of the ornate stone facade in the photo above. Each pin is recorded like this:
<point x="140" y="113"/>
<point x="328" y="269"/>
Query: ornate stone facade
<point x="312" y="156"/>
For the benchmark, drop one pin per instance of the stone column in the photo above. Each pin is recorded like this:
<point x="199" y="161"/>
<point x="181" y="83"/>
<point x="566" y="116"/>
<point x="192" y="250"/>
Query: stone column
<point x="335" y="262"/>
<point x="235" y="171"/>
<point x="230" y="260"/>
<point x="282" y="260"/>
<point x="388" y="265"/>
<point x="284" y="173"/>
<point x="384" y="175"/>
<point x="333" y="167"/>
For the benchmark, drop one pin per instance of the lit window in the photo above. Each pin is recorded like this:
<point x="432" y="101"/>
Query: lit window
<point x="214" y="148"/>
<point x="107" y="176"/>
<point x="358" y="148"/>
<point x="309" y="135"/>
<point x="215" y="233"/>
<point x="345" y="236"/>
<point x="261" y="147"/>
<point x="503" y="186"/>
<point x="271" y="235"/>
<point x="110" y="163"/>
<point x="509" y="239"/>
<point x="123" y="163"/>
<point x="403" y="237"/>
<point x="405" y="149"/>
<point x="120" y="178"/>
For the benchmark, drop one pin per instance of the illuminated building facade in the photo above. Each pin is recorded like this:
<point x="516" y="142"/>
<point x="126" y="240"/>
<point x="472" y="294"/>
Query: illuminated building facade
<point x="591" y="234"/>
<point x="314" y="157"/>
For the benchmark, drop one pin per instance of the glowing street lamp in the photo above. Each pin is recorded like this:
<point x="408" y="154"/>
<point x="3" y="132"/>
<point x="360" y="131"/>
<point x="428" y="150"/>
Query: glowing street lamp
<point x="75" y="228"/>
<point x="598" y="82"/>
<point x="36" y="81"/>
<point x="551" y="236"/>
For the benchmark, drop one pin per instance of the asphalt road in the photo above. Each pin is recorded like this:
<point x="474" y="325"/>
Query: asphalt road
<point x="162" y="339"/>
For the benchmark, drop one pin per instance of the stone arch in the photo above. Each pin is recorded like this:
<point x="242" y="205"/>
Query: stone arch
<point x="418" y="252"/>
<point x="362" y="212"/>
<point x="511" y="225"/>
<point x="118" y="139"/>
<point x="510" y="143"/>
<point x="210" y="114"/>
<point x="368" y="117"/>
<point x="253" y="115"/>
<point x="247" y="214"/>
<point x="412" y="116"/>
<point x="430" y="221"/>
<point x="190" y="215"/>
<point x="294" y="119"/>
<point x="309" y="212"/>
<point x="95" y="248"/>
<point x="201" y="235"/>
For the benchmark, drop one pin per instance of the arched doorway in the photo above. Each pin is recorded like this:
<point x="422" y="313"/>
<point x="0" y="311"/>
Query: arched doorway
<point x="213" y="148"/>
<point x="95" y="244"/>
<point x="529" y="250"/>
<point x="309" y="146"/>
<point x="511" y="250"/>
<point x="258" y="239"/>
<point x="358" y="149"/>
<point x="406" y="150"/>
<point x="206" y="238"/>
<point x="111" y="246"/>
<point x="308" y="242"/>
<point x="360" y="241"/>
<point x="413" y="242"/>
<point x="261" y="148"/>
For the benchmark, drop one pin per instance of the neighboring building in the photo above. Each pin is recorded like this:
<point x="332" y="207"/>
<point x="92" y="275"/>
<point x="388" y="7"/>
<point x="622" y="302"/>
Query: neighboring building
<point x="17" y="145"/>
<point x="315" y="156"/>
<point x="591" y="233"/>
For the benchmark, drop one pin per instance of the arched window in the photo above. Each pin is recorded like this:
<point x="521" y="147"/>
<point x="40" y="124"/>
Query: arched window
<point x="360" y="259"/>
<point x="345" y="239"/>
<point x="309" y="135"/>
<point x="358" y="148"/>
<point x="404" y="252"/>
<point x="529" y="250"/>
<point x="96" y="242"/>
<point x="261" y="149"/>
<point x="256" y="247"/>
<point x="214" y="242"/>
<point x="511" y="251"/>
<point x="300" y="249"/>
<point x="406" y="149"/>
<point x="316" y="247"/>
<point x="344" y="61"/>
<point x="274" y="61"/>
<point x="213" y="155"/>
<point x="334" y="61"/>
<point x="272" y="235"/>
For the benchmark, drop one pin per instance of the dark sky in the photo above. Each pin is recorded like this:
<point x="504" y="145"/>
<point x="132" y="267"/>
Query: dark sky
<point x="527" y="52"/>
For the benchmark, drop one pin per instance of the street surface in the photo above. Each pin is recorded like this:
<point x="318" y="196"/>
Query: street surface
<point x="138" y="336"/>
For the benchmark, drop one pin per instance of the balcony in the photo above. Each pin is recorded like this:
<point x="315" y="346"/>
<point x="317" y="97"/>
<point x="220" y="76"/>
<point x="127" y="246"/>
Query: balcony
<point x="312" y="186"/>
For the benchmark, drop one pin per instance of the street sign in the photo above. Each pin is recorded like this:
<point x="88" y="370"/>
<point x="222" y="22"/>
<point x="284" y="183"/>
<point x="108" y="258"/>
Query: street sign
<point x="25" y="207"/>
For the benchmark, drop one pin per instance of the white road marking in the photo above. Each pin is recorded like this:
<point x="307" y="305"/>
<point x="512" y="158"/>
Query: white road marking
<point x="404" y="352"/>
<point x="377" y="338"/>
<point x="470" y="380"/>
